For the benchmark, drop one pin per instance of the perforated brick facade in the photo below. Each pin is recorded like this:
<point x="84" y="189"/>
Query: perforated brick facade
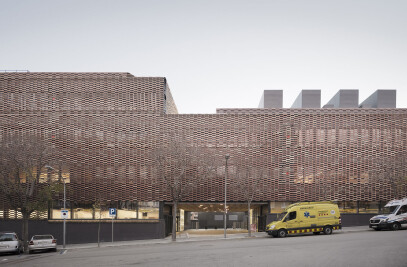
<point x="104" y="126"/>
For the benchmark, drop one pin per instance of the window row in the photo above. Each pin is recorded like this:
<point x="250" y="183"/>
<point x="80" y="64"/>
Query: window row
<point x="355" y="207"/>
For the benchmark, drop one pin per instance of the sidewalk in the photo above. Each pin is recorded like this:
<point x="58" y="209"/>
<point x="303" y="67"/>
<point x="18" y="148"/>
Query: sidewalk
<point x="189" y="237"/>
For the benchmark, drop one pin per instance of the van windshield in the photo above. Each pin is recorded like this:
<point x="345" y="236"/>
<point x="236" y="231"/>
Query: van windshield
<point x="281" y="216"/>
<point x="389" y="210"/>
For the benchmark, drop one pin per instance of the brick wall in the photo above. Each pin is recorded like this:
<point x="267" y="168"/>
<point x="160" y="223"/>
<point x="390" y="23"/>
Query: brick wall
<point x="105" y="125"/>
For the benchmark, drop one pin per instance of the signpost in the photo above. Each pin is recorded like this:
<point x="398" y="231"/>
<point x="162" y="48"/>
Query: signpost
<point x="112" y="213"/>
<point x="66" y="217"/>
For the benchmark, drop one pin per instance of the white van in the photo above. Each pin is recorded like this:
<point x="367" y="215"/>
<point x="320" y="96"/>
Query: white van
<point x="394" y="216"/>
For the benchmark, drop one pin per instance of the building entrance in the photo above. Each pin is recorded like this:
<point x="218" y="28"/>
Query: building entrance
<point x="211" y="216"/>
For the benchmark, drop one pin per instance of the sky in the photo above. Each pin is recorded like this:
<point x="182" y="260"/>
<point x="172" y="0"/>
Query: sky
<point x="216" y="53"/>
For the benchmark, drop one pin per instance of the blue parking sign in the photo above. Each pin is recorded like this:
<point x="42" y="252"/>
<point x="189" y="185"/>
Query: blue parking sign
<point x="112" y="212"/>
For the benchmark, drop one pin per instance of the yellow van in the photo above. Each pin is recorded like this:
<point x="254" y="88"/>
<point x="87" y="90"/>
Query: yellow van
<point x="306" y="217"/>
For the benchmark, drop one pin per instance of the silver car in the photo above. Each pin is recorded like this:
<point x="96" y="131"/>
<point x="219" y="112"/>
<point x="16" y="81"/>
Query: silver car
<point x="9" y="242"/>
<point x="42" y="242"/>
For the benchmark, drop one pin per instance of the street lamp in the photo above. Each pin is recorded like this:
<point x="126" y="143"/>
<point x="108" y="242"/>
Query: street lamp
<point x="226" y="177"/>
<point x="64" y="224"/>
<point x="64" y="227"/>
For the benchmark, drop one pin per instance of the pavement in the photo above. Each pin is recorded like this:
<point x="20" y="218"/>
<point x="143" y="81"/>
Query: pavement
<point x="193" y="236"/>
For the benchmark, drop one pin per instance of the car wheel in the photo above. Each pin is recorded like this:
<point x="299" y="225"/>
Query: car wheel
<point x="30" y="251"/>
<point x="54" y="249"/>
<point x="327" y="230"/>
<point x="395" y="226"/>
<point x="274" y="234"/>
<point x="282" y="233"/>
<point x="377" y="229"/>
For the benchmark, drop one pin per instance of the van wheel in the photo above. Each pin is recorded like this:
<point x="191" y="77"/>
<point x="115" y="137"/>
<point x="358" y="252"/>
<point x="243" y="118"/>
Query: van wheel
<point x="327" y="230"/>
<point x="282" y="233"/>
<point x="395" y="226"/>
<point x="316" y="233"/>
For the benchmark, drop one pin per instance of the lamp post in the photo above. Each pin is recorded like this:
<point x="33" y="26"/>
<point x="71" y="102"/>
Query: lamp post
<point x="226" y="177"/>
<point x="64" y="224"/>
<point x="64" y="227"/>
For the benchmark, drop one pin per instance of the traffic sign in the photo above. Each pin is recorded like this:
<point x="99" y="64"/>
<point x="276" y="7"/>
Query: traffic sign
<point x="112" y="212"/>
<point x="64" y="214"/>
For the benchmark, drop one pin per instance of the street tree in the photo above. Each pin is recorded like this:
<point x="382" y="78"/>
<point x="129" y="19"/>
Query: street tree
<point x="22" y="161"/>
<point x="391" y="171"/>
<point x="99" y="206"/>
<point x="249" y="183"/>
<point x="181" y="169"/>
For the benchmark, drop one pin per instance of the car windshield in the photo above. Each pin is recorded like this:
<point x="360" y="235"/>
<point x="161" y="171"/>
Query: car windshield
<point x="7" y="237"/>
<point x="281" y="216"/>
<point x="389" y="210"/>
<point x="41" y="237"/>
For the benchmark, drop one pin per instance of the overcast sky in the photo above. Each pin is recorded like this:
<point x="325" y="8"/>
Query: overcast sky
<point x="216" y="54"/>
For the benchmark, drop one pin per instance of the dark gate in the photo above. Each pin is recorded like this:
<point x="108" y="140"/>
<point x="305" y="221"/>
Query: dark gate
<point x="262" y="223"/>
<point x="168" y="224"/>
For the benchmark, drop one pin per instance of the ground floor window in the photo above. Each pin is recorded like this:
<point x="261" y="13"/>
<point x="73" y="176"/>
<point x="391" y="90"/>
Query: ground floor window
<point x="355" y="207"/>
<point x="347" y="206"/>
<point x="369" y="207"/>
<point x="278" y="207"/>
<point x="96" y="210"/>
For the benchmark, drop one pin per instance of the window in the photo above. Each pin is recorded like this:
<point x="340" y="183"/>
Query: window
<point x="8" y="237"/>
<point x="292" y="215"/>
<point x="148" y="210"/>
<point x="402" y="210"/>
<point x="127" y="210"/>
<point x="389" y="209"/>
<point x="278" y="207"/>
<point x="347" y="206"/>
<point x="368" y="207"/>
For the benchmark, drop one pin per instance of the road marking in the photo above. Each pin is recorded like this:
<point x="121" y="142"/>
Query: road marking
<point x="63" y="251"/>
<point x="4" y="259"/>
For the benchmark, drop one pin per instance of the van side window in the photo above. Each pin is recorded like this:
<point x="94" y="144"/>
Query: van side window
<point x="292" y="215"/>
<point x="402" y="210"/>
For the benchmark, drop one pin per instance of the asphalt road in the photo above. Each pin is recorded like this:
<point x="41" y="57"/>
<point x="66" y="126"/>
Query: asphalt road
<point x="363" y="248"/>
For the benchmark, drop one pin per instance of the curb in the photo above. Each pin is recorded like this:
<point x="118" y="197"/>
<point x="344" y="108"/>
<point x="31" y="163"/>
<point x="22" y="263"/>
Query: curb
<point x="190" y="238"/>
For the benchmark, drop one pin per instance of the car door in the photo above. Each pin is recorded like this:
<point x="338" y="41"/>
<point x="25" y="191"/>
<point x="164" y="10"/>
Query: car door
<point x="401" y="215"/>
<point x="292" y="220"/>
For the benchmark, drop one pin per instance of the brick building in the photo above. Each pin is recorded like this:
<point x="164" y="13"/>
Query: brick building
<point x="103" y="126"/>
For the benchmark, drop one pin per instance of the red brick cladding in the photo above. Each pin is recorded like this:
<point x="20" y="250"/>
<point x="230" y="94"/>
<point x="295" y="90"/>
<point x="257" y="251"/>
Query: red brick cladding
<point x="109" y="151"/>
<point x="310" y="154"/>
<point x="83" y="92"/>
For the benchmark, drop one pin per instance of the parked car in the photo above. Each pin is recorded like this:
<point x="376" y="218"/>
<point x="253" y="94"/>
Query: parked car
<point x="9" y="242"/>
<point x="393" y="217"/>
<point x="42" y="242"/>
